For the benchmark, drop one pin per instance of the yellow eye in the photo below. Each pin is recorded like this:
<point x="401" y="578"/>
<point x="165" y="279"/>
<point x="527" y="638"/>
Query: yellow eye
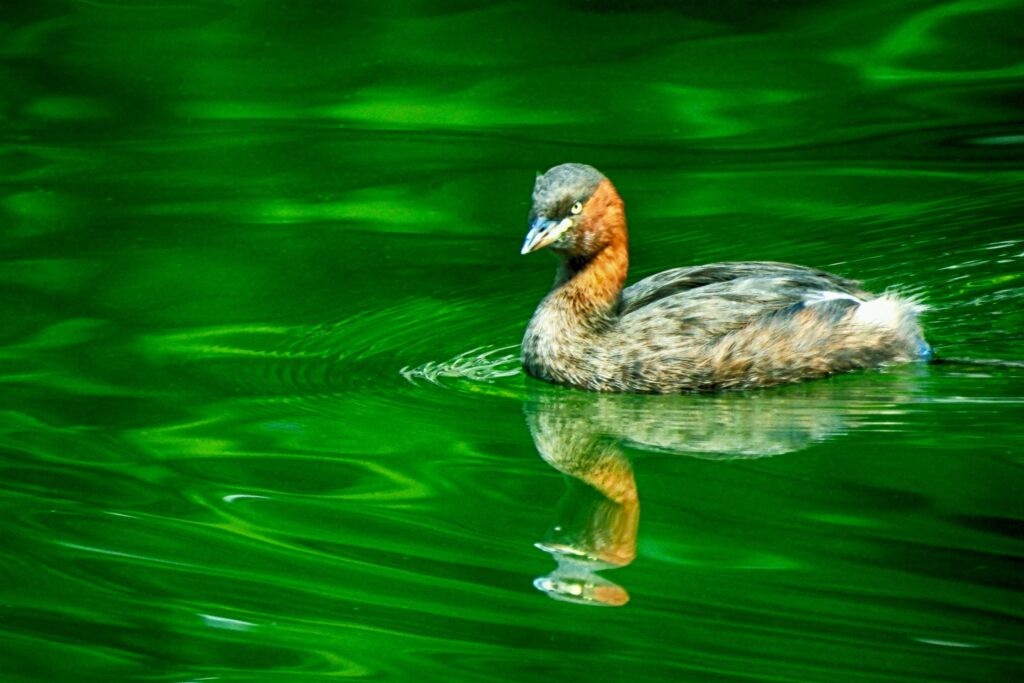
<point x="577" y="208"/>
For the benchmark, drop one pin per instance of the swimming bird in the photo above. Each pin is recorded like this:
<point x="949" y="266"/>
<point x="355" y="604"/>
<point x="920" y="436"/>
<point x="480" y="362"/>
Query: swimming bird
<point x="732" y="325"/>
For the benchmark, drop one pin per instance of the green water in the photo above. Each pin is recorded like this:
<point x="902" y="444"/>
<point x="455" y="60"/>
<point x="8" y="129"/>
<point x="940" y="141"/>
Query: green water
<point x="260" y="282"/>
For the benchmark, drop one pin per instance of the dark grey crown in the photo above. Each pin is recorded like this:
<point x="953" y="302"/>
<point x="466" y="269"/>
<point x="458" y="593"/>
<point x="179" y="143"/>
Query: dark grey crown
<point x="557" y="190"/>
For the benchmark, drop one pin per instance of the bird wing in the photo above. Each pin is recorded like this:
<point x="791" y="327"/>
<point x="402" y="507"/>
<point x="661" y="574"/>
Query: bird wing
<point x="784" y="281"/>
<point x="707" y="302"/>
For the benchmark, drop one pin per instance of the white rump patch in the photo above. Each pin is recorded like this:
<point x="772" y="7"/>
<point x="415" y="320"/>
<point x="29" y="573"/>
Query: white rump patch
<point x="883" y="312"/>
<point x="889" y="310"/>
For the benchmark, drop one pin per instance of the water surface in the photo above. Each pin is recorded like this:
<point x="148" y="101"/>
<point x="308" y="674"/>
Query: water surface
<point x="261" y="418"/>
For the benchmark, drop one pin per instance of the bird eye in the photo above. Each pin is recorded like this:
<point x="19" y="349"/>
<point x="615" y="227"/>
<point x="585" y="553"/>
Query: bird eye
<point x="577" y="207"/>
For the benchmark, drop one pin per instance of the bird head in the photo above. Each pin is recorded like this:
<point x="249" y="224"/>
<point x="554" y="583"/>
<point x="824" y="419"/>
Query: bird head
<point x="570" y="205"/>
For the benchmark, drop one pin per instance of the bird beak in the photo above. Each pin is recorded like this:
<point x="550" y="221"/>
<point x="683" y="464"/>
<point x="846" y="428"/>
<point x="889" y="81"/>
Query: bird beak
<point x="543" y="232"/>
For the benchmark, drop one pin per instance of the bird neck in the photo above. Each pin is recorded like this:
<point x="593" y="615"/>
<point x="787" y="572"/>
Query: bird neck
<point x="589" y="290"/>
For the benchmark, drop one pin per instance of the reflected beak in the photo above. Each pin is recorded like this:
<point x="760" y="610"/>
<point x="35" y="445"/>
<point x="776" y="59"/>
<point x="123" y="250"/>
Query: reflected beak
<point x="543" y="232"/>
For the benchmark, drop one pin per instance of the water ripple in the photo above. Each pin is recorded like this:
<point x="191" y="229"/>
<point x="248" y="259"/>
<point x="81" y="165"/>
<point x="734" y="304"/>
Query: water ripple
<point x="482" y="364"/>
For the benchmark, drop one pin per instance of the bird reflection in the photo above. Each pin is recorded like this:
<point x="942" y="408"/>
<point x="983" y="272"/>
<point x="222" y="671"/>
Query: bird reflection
<point x="583" y="436"/>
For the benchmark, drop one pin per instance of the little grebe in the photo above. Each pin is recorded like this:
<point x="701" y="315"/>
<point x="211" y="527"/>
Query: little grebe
<point x="735" y="325"/>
